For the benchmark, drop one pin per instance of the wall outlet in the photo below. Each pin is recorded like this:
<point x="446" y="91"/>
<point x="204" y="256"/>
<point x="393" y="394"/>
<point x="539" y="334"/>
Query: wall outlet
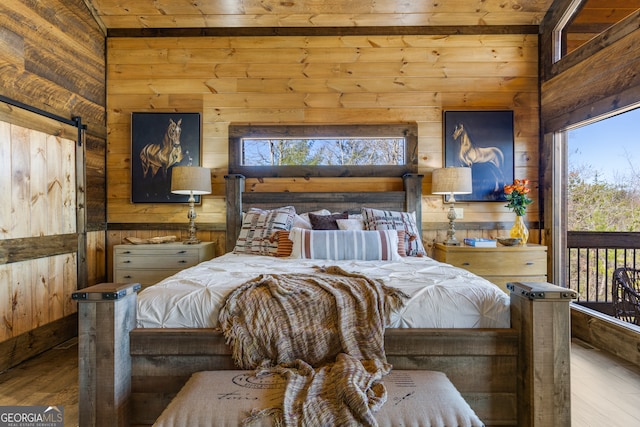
<point x="459" y="213"/>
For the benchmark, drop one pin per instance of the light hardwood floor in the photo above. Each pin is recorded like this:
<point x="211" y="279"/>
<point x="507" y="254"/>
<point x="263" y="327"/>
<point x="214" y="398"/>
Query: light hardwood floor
<point x="605" y="389"/>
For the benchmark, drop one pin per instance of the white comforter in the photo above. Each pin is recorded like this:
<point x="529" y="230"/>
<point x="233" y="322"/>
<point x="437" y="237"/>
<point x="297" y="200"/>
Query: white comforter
<point x="442" y="296"/>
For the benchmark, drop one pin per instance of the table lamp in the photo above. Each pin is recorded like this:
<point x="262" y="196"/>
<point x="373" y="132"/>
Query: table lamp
<point x="191" y="180"/>
<point x="451" y="181"/>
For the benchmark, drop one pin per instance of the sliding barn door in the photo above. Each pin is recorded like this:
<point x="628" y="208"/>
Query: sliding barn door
<point x="38" y="229"/>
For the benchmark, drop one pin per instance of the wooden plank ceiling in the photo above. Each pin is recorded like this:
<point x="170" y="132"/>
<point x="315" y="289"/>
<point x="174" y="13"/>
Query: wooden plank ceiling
<point x="120" y="14"/>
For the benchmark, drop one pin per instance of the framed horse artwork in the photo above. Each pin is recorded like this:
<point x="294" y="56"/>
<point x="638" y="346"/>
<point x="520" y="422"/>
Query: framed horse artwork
<point x="483" y="141"/>
<point x="160" y="141"/>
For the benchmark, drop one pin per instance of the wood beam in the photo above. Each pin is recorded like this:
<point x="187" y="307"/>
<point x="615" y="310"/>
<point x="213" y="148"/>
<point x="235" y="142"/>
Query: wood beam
<point x="323" y="31"/>
<point x="23" y="249"/>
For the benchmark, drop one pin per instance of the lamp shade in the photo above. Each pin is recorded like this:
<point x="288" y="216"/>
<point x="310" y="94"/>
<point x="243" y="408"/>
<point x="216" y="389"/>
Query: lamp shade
<point x="189" y="180"/>
<point x="451" y="181"/>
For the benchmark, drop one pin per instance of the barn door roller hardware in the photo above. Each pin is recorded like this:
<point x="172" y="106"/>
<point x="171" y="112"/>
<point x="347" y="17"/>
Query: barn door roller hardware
<point x="75" y="121"/>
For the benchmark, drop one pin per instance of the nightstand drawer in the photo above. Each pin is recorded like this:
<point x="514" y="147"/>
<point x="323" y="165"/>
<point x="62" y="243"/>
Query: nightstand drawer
<point x="148" y="264"/>
<point x="501" y="263"/>
<point x="164" y="260"/>
<point x="156" y="250"/>
<point x="144" y="277"/>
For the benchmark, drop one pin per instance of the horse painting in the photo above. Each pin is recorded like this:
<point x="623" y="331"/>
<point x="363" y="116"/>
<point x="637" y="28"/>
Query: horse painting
<point x="470" y="155"/>
<point x="155" y="157"/>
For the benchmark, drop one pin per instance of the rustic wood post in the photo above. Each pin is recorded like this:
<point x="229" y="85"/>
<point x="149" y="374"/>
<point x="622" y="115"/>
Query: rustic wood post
<point x="540" y="311"/>
<point x="106" y="315"/>
<point x="413" y="203"/>
<point x="234" y="189"/>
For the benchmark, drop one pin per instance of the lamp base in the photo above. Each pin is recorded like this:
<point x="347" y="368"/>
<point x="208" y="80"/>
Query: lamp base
<point x="191" y="241"/>
<point x="451" y="232"/>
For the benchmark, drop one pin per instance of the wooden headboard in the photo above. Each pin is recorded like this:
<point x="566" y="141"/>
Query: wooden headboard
<point x="238" y="201"/>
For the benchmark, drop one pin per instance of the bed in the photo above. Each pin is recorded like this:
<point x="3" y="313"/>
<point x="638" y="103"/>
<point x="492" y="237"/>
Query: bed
<point x="441" y="296"/>
<point x="509" y="359"/>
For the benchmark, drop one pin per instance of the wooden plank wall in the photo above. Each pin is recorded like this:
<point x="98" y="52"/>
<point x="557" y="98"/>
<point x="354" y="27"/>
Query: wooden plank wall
<point x="568" y="98"/>
<point x="321" y="79"/>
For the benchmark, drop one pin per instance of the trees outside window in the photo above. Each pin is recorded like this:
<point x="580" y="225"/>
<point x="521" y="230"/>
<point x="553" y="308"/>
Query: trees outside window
<point x="369" y="150"/>
<point x="603" y="195"/>
<point x="323" y="151"/>
<point x="604" y="175"/>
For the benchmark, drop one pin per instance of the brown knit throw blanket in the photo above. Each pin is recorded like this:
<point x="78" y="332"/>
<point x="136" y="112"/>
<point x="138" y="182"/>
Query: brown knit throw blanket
<point x="324" y="332"/>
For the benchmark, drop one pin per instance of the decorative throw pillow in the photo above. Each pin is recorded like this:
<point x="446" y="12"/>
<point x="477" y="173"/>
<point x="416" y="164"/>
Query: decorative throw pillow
<point x="350" y="224"/>
<point x="402" y="250"/>
<point x="285" y="246"/>
<point x="377" y="219"/>
<point x="326" y="222"/>
<point x="259" y="225"/>
<point x="345" y="244"/>
<point x="302" y="220"/>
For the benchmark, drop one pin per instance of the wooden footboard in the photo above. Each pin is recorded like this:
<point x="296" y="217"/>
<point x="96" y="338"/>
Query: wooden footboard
<point x="481" y="363"/>
<point x="517" y="376"/>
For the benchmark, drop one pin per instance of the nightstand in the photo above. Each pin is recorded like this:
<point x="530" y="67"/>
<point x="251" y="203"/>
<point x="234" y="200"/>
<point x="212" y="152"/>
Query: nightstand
<point x="149" y="263"/>
<point x="499" y="265"/>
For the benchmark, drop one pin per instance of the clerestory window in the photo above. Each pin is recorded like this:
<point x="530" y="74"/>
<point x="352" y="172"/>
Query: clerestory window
<point x="322" y="150"/>
<point x="586" y="19"/>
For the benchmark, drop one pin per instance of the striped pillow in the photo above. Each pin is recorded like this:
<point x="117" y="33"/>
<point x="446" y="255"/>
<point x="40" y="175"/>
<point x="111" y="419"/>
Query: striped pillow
<point x="377" y="219"/>
<point x="258" y="226"/>
<point x="285" y="246"/>
<point x="345" y="244"/>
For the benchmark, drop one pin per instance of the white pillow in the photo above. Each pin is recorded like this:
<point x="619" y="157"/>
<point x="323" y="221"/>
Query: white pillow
<point x="344" y="244"/>
<point x="350" y="224"/>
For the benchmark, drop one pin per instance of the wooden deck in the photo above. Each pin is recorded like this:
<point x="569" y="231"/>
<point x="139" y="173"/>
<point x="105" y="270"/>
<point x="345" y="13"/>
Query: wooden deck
<point x="605" y="389"/>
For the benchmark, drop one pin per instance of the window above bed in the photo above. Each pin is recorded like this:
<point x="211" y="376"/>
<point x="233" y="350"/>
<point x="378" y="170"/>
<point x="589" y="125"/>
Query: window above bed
<point x="323" y="150"/>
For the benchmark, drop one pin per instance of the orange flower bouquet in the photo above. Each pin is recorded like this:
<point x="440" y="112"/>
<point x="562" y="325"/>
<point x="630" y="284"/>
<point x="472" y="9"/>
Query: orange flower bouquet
<point x="517" y="196"/>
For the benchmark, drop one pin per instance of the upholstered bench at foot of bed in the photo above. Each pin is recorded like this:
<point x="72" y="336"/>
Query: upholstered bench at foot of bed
<point x="224" y="398"/>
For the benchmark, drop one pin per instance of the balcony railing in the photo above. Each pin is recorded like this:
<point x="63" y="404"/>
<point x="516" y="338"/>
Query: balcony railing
<point x="592" y="258"/>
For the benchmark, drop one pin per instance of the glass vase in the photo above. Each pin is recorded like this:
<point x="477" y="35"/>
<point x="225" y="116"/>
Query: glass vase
<point x="520" y="230"/>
